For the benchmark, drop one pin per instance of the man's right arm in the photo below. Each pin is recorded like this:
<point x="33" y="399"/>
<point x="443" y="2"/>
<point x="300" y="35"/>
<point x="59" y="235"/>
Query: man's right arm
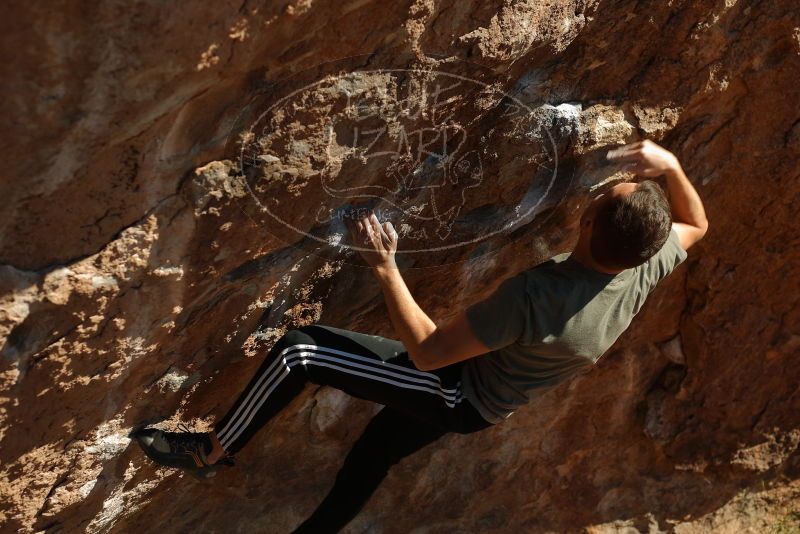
<point x="646" y="158"/>
<point x="688" y="215"/>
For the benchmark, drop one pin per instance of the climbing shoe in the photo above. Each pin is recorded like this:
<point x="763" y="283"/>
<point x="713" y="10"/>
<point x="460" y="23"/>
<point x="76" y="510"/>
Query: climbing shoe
<point x="184" y="450"/>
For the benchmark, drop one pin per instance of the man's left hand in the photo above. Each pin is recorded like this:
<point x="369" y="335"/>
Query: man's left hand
<point x="377" y="242"/>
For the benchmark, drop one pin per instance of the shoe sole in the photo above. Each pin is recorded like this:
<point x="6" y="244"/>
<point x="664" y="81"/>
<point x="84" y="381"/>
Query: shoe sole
<point x="203" y="475"/>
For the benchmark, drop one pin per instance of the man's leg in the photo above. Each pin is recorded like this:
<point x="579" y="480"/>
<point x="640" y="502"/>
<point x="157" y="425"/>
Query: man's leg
<point x="389" y="437"/>
<point x="274" y="380"/>
<point x="365" y="366"/>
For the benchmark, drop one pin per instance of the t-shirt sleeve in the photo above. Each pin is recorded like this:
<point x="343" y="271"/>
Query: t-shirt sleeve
<point x="665" y="260"/>
<point x="500" y="319"/>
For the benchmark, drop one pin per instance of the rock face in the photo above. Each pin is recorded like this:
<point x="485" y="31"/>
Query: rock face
<point x="173" y="176"/>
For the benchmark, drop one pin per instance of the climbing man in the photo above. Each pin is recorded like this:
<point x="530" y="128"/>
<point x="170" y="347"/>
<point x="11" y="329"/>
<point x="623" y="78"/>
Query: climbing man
<point x="537" y="328"/>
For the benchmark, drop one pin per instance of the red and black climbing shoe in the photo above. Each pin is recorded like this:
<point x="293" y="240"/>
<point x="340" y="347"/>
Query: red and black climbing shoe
<point x="184" y="450"/>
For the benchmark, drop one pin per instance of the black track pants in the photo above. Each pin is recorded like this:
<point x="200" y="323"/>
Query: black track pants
<point x="389" y="437"/>
<point x="419" y="406"/>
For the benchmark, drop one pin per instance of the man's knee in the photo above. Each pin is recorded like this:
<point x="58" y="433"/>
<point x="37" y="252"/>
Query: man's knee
<point x="297" y="336"/>
<point x="293" y="347"/>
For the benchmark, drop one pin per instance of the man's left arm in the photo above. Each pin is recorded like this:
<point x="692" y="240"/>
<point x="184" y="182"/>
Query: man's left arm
<point x="429" y="346"/>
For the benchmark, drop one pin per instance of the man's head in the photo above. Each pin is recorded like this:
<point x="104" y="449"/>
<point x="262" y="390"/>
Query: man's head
<point x="627" y="225"/>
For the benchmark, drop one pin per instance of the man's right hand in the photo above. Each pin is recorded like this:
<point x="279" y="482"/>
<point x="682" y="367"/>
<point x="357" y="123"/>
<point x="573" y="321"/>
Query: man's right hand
<point x="645" y="158"/>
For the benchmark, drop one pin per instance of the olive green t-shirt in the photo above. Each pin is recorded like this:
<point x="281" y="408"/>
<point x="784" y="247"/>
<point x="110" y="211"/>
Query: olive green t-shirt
<point x="550" y="322"/>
